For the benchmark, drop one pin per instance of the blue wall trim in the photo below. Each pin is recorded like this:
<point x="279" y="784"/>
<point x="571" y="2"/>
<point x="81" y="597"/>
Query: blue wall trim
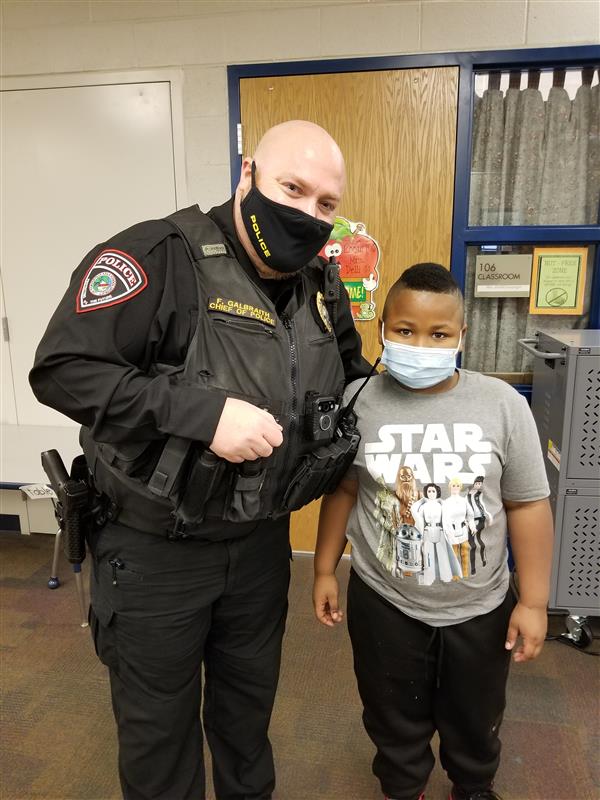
<point x="235" y="115"/>
<point x="535" y="234"/>
<point x="462" y="172"/>
<point x="500" y="59"/>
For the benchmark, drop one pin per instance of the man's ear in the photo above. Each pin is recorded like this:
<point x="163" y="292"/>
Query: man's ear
<point x="463" y="334"/>
<point x="379" y="329"/>
<point x="246" y="174"/>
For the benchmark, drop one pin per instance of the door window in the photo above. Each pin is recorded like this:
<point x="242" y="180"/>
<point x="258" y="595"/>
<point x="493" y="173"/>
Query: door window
<point x="536" y="148"/>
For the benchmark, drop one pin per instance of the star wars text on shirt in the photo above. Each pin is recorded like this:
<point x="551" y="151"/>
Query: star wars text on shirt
<point x="455" y="451"/>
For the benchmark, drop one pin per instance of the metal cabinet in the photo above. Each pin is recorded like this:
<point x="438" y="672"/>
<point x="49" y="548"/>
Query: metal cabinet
<point x="566" y="407"/>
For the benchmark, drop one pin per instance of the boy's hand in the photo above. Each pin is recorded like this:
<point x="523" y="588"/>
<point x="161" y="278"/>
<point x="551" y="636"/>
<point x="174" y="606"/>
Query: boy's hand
<point x="325" y="600"/>
<point x="531" y="624"/>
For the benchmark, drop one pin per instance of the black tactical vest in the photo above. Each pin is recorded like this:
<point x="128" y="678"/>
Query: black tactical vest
<point x="288" y="364"/>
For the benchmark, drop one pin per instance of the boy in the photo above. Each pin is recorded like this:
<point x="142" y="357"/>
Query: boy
<point x="432" y="647"/>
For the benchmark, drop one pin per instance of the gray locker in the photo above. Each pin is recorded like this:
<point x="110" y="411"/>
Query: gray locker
<point x="577" y="568"/>
<point x="566" y="407"/>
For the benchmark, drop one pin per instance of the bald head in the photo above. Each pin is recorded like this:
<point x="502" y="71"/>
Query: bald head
<point x="298" y="164"/>
<point x="301" y="145"/>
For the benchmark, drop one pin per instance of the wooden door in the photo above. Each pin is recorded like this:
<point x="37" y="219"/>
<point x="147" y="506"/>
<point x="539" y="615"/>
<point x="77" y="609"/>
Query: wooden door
<point x="397" y="130"/>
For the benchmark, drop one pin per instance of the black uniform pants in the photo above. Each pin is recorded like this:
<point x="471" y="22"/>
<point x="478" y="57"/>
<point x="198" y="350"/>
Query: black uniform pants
<point x="162" y="610"/>
<point x="414" y="679"/>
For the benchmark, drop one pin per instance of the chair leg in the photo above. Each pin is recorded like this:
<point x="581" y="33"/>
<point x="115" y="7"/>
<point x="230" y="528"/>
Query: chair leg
<point x="80" y="595"/>
<point x="54" y="582"/>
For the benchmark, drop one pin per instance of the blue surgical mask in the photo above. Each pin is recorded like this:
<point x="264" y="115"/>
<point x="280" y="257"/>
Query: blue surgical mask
<point x="418" y="367"/>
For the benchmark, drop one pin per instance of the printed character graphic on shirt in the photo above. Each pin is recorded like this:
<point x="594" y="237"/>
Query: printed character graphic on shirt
<point x="399" y="550"/>
<point x="480" y="517"/>
<point x="457" y="518"/>
<point x="387" y="514"/>
<point x="409" y="539"/>
<point x="407" y="455"/>
<point x="439" y="560"/>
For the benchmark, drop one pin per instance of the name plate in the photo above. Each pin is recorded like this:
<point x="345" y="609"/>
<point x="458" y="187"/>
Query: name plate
<point x="502" y="275"/>
<point x="38" y="491"/>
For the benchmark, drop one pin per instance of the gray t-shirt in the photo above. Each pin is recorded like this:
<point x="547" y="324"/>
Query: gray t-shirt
<point x="425" y="534"/>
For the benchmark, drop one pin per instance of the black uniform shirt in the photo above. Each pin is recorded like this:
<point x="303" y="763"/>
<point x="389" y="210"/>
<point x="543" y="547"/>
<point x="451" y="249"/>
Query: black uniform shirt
<point x="96" y="366"/>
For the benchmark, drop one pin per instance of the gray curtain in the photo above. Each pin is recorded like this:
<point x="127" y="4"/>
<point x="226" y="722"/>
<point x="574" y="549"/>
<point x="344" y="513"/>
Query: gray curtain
<point x="534" y="162"/>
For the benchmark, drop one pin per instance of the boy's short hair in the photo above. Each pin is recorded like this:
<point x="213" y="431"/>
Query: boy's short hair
<point x="424" y="277"/>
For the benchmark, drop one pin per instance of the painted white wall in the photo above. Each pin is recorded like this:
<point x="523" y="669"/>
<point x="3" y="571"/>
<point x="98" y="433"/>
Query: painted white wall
<point x="203" y="36"/>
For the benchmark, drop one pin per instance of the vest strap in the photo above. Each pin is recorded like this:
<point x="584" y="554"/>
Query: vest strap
<point x="201" y="236"/>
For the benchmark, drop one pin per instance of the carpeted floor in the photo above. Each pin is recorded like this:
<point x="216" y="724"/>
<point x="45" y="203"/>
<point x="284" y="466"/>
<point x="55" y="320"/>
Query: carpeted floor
<point x="58" y="739"/>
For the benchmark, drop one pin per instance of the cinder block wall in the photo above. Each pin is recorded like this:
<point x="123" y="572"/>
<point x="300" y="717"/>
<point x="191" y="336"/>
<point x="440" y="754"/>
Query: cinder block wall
<point x="203" y="36"/>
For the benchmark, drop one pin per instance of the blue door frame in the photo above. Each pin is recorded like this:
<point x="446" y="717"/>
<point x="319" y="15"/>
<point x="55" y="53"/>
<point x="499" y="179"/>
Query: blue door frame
<point x="468" y="63"/>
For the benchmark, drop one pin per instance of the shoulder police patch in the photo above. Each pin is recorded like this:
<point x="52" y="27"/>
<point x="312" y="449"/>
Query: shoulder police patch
<point x="113" y="278"/>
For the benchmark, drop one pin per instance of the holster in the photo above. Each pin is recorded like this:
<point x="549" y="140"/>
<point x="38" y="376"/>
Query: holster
<point x="78" y="508"/>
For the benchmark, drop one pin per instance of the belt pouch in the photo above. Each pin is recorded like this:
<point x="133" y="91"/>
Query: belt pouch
<point x="309" y="479"/>
<point x="246" y="496"/>
<point x="343" y="454"/>
<point x="202" y="482"/>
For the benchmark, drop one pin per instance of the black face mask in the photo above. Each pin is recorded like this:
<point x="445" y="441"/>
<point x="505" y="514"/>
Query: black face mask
<point x="285" y="239"/>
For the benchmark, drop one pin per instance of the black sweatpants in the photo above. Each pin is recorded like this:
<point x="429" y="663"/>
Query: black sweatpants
<point x="414" y="679"/>
<point x="160" y="612"/>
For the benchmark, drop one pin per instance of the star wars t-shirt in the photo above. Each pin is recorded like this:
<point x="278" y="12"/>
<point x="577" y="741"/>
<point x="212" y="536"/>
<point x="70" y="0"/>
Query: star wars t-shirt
<point x="428" y="530"/>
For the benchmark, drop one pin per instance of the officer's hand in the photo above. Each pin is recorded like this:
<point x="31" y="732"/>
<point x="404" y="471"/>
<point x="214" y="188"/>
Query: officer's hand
<point x="245" y="432"/>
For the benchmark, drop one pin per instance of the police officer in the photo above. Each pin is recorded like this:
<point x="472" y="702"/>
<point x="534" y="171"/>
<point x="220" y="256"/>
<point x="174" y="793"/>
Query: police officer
<point x="204" y="356"/>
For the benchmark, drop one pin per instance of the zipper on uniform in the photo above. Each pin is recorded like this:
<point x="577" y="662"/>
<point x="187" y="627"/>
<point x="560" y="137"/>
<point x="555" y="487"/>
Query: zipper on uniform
<point x="290" y="450"/>
<point x="250" y="327"/>
<point x="287" y="324"/>
<point x="116" y="564"/>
